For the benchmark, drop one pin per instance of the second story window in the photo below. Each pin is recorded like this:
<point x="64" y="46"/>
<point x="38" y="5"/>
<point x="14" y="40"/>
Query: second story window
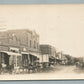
<point x="34" y="44"/>
<point x="30" y="43"/>
<point x="37" y="46"/>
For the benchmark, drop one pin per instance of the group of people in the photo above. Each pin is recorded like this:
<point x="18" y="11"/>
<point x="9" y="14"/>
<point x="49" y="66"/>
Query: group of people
<point x="31" y="68"/>
<point x="6" y="68"/>
<point x="80" y="65"/>
<point x="36" y="67"/>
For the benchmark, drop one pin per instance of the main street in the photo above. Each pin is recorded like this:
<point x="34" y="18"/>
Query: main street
<point x="55" y="73"/>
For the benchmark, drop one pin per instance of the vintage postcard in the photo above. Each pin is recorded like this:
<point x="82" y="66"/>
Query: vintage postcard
<point x="42" y="42"/>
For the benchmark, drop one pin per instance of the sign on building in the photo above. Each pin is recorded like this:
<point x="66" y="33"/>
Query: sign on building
<point x="24" y="49"/>
<point x="14" y="49"/>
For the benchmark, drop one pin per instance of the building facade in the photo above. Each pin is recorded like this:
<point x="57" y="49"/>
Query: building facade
<point x="48" y="52"/>
<point x="21" y="41"/>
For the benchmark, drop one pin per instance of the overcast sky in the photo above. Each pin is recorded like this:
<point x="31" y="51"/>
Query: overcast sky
<point x="59" y="25"/>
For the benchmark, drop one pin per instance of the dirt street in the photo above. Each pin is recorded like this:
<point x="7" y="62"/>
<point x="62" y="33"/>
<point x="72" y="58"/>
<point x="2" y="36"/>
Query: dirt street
<point x="54" y="73"/>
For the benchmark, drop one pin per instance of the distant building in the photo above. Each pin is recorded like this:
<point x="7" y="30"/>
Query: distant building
<point x="48" y="52"/>
<point x="59" y="55"/>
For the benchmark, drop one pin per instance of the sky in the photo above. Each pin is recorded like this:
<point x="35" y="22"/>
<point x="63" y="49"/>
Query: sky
<point x="61" y="26"/>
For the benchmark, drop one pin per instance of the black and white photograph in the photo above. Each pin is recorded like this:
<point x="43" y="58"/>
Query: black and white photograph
<point x="42" y="42"/>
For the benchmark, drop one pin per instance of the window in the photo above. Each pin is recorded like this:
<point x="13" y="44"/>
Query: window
<point x="37" y="46"/>
<point x="30" y="43"/>
<point x="34" y="44"/>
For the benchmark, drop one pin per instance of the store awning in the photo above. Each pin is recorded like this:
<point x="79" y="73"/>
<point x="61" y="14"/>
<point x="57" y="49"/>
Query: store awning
<point x="59" y="60"/>
<point x="11" y="53"/>
<point x="24" y="53"/>
<point x="52" y="57"/>
<point x="16" y="49"/>
<point x="35" y="54"/>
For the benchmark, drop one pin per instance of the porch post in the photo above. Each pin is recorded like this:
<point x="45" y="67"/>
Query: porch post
<point x="32" y="59"/>
<point x="16" y="61"/>
<point x="0" y="57"/>
<point x="28" y="59"/>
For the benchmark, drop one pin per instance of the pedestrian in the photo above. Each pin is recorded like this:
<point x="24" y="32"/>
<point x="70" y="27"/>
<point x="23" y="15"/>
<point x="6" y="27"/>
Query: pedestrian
<point x="3" y="67"/>
<point x="38" y="67"/>
<point x="29" y="68"/>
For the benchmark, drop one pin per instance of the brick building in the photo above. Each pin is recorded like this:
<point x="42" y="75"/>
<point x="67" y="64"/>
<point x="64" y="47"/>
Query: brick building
<point x="20" y="42"/>
<point x="28" y="40"/>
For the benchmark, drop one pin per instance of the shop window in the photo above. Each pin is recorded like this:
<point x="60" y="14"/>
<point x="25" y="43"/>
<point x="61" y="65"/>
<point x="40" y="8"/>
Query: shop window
<point x="19" y="61"/>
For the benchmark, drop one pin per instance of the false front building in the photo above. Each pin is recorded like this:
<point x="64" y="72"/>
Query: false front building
<point x="48" y="53"/>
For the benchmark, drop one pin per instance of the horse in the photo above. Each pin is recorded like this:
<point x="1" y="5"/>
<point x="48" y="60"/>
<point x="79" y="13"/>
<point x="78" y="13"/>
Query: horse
<point x="32" y="67"/>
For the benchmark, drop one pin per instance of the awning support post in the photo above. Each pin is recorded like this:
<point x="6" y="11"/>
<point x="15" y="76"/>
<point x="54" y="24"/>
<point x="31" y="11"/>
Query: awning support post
<point x="16" y="61"/>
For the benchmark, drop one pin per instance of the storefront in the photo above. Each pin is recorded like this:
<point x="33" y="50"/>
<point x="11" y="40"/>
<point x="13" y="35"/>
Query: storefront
<point x="25" y="59"/>
<point x="10" y="58"/>
<point x="34" y="57"/>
